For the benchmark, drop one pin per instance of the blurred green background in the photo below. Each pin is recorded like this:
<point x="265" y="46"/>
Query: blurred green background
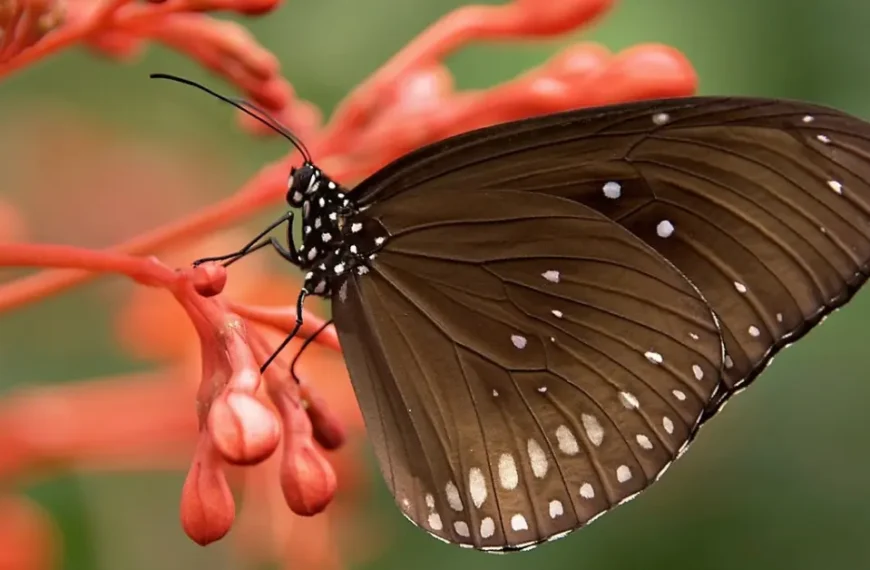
<point x="778" y="480"/>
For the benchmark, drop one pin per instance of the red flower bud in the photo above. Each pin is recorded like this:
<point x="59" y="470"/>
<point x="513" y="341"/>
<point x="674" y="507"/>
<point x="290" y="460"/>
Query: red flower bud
<point x="209" y="279"/>
<point x="329" y="432"/>
<point x="307" y="478"/>
<point x="244" y="430"/>
<point x="207" y="505"/>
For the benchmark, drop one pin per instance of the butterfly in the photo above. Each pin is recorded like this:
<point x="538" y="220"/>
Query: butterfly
<point x="538" y="316"/>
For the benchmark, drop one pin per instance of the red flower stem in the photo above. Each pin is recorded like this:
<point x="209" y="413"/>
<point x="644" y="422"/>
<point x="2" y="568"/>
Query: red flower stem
<point x="147" y="271"/>
<point x="63" y="37"/>
<point x="284" y="319"/>
<point x="108" y="421"/>
<point x="119" y="13"/>
<point x="254" y="196"/>
<point x="520" y="19"/>
<point x="106" y="12"/>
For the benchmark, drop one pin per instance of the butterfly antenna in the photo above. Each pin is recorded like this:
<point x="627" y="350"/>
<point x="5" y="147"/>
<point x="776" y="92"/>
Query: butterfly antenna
<point x="275" y="124"/>
<point x="245" y="107"/>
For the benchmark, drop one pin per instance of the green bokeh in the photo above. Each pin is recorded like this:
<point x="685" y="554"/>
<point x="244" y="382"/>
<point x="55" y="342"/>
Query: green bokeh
<point x="776" y="481"/>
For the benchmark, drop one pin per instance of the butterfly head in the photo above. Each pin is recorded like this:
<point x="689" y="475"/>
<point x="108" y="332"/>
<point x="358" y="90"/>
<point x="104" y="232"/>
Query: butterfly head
<point x="304" y="182"/>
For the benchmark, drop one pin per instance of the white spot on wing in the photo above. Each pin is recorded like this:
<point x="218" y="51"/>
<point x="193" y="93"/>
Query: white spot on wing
<point x="835" y="186"/>
<point x="567" y="442"/>
<point x="665" y="229"/>
<point x="342" y="292"/>
<point x="612" y="190"/>
<point x="430" y="501"/>
<point x="476" y="486"/>
<point x="629" y="400"/>
<point x="679" y="395"/>
<point x="661" y="118"/>
<point x="594" y="430"/>
<point x="623" y="473"/>
<point x="729" y="363"/>
<point x="355" y="227"/>
<point x="808" y="119"/>
<point x="551" y="275"/>
<point x="753" y="331"/>
<point x="380" y="240"/>
<point x="518" y="522"/>
<point x="668" y="424"/>
<point x="435" y="521"/>
<point x="653" y="357"/>
<point x="519" y="341"/>
<point x="461" y="528"/>
<point x="507" y="471"/>
<point x="823" y="139"/>
<point x="741" y="288"/>
<point x="339" y="268"/>
<point x="556" y="509"/>
<point x="487" y="527"/>
<point x="644" y="441"/>
<point x="586" y="491"/>
<point x="537" y="459"/>
<point x="453" y="498"/>
<point x="698" y="372"/>
<point x="557" y="313"/>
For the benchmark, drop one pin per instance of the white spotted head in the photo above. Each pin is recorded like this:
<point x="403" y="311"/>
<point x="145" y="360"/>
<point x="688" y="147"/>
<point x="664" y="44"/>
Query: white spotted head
<point x="303" y="182"/>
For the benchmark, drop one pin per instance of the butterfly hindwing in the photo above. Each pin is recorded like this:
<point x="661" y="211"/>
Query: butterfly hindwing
<point x="523" y="364"/>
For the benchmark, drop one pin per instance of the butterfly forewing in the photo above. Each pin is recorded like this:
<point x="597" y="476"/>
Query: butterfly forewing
<point x="764" y="205"/>
<point x="522" y="362"/>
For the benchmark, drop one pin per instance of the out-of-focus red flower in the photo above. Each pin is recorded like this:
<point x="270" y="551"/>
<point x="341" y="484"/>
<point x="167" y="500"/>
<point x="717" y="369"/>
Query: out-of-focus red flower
<point x="94" y="169"/>
<point x="26" y="536"/>
<point x="277" y="442"/>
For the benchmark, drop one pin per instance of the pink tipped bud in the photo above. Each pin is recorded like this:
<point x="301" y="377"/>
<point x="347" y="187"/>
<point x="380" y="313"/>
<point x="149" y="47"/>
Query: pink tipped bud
<point x="207" y="505"/>
<point x="243" y="430"/>
<point x="209" y="279"/>
<point x="307" y="479"/>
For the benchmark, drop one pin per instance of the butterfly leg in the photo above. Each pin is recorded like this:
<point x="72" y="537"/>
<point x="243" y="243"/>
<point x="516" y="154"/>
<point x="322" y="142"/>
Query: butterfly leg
<point x="305" y="344"/>
<point x="259" y="242"/>
<point x="299" y="303"/>
<point x="290" y="253"/>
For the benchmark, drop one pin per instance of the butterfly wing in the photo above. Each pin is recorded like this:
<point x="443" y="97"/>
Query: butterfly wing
<point x="764" y="205"/>
<point x="523" y="364"/>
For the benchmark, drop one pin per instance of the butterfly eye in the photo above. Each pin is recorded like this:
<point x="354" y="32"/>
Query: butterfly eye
<point x="294" y="187"/>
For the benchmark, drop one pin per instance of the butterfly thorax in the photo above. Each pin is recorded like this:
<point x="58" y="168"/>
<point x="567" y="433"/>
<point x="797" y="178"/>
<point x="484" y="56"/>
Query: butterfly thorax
<point x="336" y="239"/>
